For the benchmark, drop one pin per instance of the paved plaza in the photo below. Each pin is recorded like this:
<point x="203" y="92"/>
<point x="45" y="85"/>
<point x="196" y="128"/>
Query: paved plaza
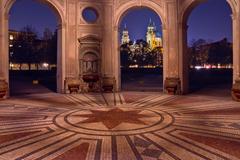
<point x="124" y="126"/>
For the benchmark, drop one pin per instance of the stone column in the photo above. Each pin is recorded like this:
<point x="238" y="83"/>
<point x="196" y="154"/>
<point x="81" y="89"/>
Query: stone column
<point x="108" y="60"/>
<point x="1" y="39"/>
<point x="236" y="47"/>
<point x="4" y="75"/>
<point x="4" y="46"/>
<point x="71" y="56"/>
<point x="184" y="57"/>
<point x="116" y="55"/>
<point x="61" y="51"/>
<point x="236" y="57"/>
<point x="171" y="62"/>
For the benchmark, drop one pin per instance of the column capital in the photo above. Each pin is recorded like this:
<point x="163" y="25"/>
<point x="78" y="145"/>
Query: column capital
<point x="235" y="16"/>
<point x="116" y="28"/>
<point x="61" y="26"/>
<point x="184" y="26"/>
<point x="6" y="16"/>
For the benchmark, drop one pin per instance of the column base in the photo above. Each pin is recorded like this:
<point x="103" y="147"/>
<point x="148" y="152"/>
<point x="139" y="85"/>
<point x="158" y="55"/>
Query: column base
<point x="3" y="89"/>
<point x="236" y="90"/>
<point x="72" y="85"/>
<point x="108" y="84"/>
<point x="172" y="86"/>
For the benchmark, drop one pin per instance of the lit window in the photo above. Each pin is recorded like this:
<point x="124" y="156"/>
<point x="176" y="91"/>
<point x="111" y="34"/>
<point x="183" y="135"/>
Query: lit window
<point x="11" y="37"/>
<point x="10" y="45"/>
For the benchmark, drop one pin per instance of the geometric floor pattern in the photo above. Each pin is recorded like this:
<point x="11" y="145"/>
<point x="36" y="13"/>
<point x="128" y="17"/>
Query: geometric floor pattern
<point x="124" y="126"/>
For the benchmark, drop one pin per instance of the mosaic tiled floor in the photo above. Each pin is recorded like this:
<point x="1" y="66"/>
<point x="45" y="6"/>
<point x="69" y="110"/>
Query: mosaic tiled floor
<point x="124" y="126"/>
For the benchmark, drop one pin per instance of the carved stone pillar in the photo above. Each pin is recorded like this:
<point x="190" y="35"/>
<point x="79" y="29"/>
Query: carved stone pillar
<point x="236" y="57"/>
<point x="184" y="58"/>
<point x="61" y="67"/>
<point x="171" y="62"/>
<point x="4" y="47"/>
<point x="236" y="90"/>
<point x="3" y="88"/>
<point x="117" y="69"/>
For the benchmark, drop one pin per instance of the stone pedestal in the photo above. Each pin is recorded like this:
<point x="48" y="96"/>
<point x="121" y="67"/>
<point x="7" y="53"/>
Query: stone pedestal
<point x="108" y="84"/>
<point x="92" y="81"/>
<point x="236" y="90"/>
<point x="72" y="85"/>
<point x="172" y="86"/>
<point x="3" y="88"/>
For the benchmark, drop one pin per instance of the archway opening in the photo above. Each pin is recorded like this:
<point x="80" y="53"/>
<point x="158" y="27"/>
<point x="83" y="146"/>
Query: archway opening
<point x="33" y="47"/>
<point x="210" y="48"/>
<point x="141" y="50"/>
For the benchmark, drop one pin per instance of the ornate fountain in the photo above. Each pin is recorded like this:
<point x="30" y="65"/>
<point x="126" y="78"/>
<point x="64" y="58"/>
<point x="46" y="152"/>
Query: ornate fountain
<point x="89" y="62"/>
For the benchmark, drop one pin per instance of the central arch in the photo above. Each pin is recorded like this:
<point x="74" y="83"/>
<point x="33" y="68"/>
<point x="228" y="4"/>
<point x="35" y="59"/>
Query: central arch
<point x="119" y="14"/>
<point x="58" y="11"/>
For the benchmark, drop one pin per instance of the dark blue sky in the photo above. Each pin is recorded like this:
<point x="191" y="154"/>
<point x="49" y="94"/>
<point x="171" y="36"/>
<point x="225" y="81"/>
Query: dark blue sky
<point x="137" y="21"/>
<point x="31" y="12"/>
<point x="210" y="20"/>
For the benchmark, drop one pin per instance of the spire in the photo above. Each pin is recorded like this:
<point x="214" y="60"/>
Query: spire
<point x="151" y="24"/>
<point x="125" y="35"/>
<point x="125" y="27"/>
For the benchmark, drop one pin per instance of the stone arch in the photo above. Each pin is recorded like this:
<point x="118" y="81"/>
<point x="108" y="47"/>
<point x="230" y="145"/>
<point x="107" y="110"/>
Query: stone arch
<point x="120" y="12"/>
<point x="191" y="5"/>
<point x="51" y="3"/>
<point x="58" y="11"/>
<point x="185" y="11"/>
<point x="123" y="9"/>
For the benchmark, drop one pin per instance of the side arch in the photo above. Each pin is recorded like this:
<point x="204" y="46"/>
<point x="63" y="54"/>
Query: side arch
<point x="187" y="9"/>
<point x="58" y="10"/>
<point x="184" y="13"/>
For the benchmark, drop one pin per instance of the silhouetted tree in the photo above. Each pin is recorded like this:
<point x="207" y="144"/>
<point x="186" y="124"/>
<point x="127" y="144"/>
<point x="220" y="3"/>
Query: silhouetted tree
<point x="220" y="52"/>
<point x="203" y="52"/>
<point x="24" y="46"/>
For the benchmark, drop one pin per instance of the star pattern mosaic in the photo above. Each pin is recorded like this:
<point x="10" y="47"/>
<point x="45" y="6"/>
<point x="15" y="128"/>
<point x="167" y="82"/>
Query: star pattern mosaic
<point x="114" y="117"/>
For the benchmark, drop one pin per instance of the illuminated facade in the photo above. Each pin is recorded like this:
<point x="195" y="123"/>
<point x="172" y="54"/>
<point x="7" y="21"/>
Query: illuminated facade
<point x="125" y="35"/>
<point x="153" y="37"/>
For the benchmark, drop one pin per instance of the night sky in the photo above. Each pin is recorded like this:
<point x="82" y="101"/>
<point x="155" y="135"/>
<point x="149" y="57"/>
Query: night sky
<point x="210" y="20"/>
<point x="31" y="12"/>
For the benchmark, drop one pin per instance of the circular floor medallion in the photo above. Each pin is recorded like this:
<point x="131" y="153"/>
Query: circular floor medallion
<point x="114" y="121"/>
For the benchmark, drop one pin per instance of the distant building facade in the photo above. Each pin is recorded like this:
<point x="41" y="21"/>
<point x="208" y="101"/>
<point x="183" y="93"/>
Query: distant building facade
<point x="153" y="37"/>
<point x="125" y="35"/>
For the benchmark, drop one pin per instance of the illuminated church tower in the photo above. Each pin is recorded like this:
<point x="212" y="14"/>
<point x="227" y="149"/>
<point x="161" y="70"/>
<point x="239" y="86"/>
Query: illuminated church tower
<point x="152" y="37"/>
<point x="125" y="35"/>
